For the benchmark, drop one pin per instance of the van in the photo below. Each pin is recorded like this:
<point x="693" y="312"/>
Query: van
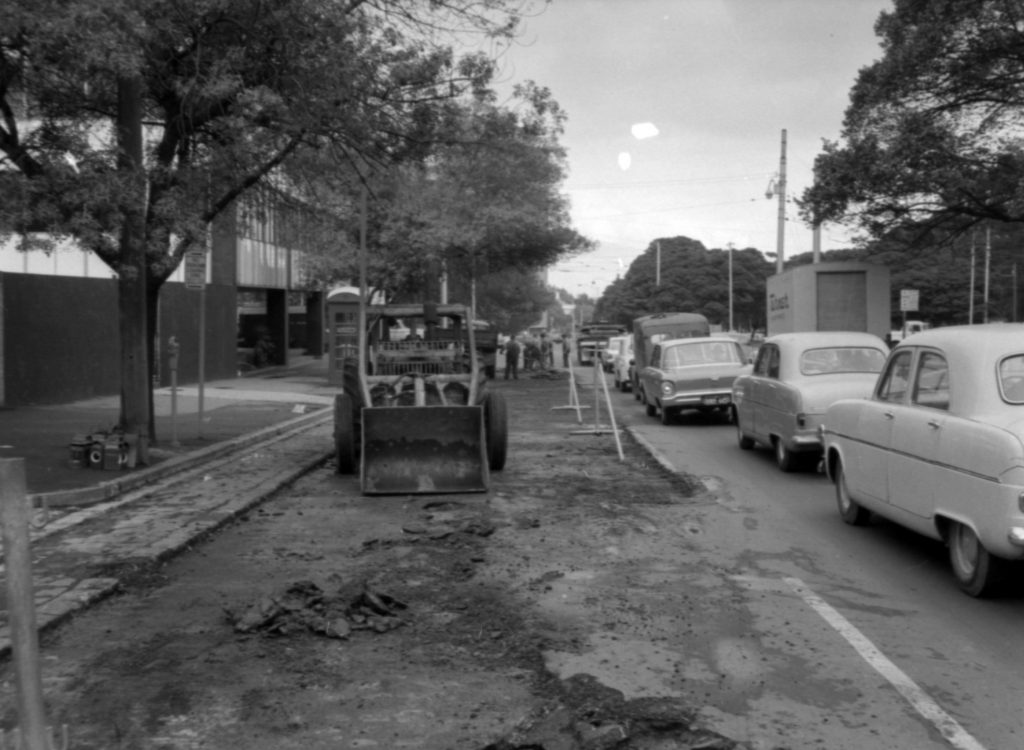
<point x="592" y="338"/>
<point x="650" y="329"/>
<point x="609" y="353"/>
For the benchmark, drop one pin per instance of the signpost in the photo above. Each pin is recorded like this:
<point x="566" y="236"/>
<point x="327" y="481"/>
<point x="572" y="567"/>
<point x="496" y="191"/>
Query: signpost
<point x="195" y="279"/>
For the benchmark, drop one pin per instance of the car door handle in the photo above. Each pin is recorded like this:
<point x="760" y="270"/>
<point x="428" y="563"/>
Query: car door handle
<point x="934" y="425"/>
<point x="889" y="414"/>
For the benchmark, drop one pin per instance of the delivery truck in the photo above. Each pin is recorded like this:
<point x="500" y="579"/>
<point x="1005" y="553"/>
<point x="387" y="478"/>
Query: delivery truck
<point x="648" y="330"/>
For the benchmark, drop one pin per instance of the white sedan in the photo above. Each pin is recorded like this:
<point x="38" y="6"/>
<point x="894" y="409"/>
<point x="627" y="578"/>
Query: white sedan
<point x="939" y="447"/>
<point x="796" y="377"/>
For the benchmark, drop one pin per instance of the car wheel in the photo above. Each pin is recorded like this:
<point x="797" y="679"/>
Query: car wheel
<point x="636" y="391"/>
<point x="745" y="442"/>
<point x="849" y="510"/>
<point x="650" y="408"/>
<point x="667" y="415"/>
<point x="784" y="457"/>
<point x="344" y="435"/>
<point x="977" y="572"/>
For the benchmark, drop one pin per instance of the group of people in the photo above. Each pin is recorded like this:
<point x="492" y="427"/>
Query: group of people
<point x="536" y="352"/>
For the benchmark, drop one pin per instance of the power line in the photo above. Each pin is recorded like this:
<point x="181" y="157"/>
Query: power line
<point x="645" y="183"/>
<point x="668" y="210"/>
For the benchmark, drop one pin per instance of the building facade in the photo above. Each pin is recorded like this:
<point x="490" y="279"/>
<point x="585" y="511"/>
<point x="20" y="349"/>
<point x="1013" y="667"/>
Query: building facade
<point x="59" y="333"/>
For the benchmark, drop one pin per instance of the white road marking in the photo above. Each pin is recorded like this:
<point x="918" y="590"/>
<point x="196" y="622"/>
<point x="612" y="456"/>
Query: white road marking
<point x="948" y="726"/>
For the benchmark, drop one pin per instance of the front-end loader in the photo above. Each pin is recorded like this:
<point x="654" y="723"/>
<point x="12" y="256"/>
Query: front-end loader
<point x="415" y="415"/>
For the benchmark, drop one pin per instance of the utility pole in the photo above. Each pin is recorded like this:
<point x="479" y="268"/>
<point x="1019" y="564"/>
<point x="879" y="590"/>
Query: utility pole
<point x="781" y="190"/>
<point x="1013" y="275"/>
<point x="657" y="263"/>
<point x="731" y="328"/>
<point x="988" y="260"/>
<point x="970" y="296"/>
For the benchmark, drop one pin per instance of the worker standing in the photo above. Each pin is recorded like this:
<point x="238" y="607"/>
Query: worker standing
<point x="512" y="359"/>
<point x="547" y="351"/>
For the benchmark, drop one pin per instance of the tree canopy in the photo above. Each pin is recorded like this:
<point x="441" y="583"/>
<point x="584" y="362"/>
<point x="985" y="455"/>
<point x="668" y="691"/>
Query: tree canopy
<point x="692" y="279"/>
<point x="132" y="126"/>
<point x="485" y="200"/>
<point x="931" y="137"/>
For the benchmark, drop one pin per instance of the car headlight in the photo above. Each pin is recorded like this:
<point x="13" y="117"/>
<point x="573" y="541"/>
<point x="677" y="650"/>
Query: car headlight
<point x="667" y="388"/>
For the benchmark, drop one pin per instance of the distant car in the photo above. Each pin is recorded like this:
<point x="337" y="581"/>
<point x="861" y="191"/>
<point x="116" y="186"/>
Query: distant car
<point x="608" y="354"/>
<point x="939" y="447"/>
<point x="622" y="364"/>
<point x="795" y="377"/>
<point x="693" y="373"/>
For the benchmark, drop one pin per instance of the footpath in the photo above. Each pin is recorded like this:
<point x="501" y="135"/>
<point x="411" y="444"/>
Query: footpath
<point x="234" y="411"/>
<point x="91" y="528"/>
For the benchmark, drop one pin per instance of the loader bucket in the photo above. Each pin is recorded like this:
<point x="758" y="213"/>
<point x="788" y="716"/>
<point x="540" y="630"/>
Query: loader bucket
<point x="423" y="449"/>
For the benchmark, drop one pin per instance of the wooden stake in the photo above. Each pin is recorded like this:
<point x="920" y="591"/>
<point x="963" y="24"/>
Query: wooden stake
<point x="14" y="516"/>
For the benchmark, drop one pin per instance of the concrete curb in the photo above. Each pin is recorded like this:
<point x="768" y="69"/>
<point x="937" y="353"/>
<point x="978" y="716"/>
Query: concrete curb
<point x="655" y="453"/>
<point x="110" y="489"/>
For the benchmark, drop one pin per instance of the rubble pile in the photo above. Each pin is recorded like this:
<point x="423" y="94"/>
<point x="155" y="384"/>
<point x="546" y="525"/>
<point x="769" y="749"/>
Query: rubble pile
<point x="305" y="608"/>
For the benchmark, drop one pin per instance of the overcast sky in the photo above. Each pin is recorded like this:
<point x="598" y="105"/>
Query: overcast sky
<point x="719" y="80"/>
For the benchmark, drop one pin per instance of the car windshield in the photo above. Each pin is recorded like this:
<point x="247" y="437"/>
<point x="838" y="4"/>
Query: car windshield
<point x="1011" y="379"/>
<point x="841" y="359"/>
<point x="704" y="353"/>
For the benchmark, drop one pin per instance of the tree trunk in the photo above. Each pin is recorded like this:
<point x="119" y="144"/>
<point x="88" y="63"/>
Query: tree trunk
<point x="131" y="287"/>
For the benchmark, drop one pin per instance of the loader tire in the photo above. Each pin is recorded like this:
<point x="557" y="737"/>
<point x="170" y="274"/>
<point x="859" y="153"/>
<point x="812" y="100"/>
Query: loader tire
<point x="344" y="434"/>
<point x="496" y="430"/>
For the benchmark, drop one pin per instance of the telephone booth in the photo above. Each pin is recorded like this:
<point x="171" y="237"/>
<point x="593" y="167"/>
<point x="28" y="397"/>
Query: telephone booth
<point x="342" y="332"/>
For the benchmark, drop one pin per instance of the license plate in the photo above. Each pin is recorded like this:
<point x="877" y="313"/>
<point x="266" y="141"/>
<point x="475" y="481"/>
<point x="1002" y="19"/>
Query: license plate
<point x="714" y="400"/>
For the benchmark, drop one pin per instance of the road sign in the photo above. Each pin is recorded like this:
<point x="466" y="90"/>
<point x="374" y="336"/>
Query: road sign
<point x="195" y="269"/>
<point x="908" y="300"/>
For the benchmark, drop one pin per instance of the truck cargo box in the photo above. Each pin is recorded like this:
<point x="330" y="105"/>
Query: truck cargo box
<point x="841" y="296"/>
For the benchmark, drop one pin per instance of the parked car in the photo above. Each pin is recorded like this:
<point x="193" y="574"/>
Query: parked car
<point x="622" y="366"/>
<point x="939" y="447"/>
<point x="691" y="373"/>
<point x="796" y="376"/>
<point x="608" y="354"/>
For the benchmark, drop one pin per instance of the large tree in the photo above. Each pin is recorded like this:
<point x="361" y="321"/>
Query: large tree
<point x="132" y="126"/>
<point x="931" y="138"/>
<point x="678" y="274"/>
<point x="486" y="200"/>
